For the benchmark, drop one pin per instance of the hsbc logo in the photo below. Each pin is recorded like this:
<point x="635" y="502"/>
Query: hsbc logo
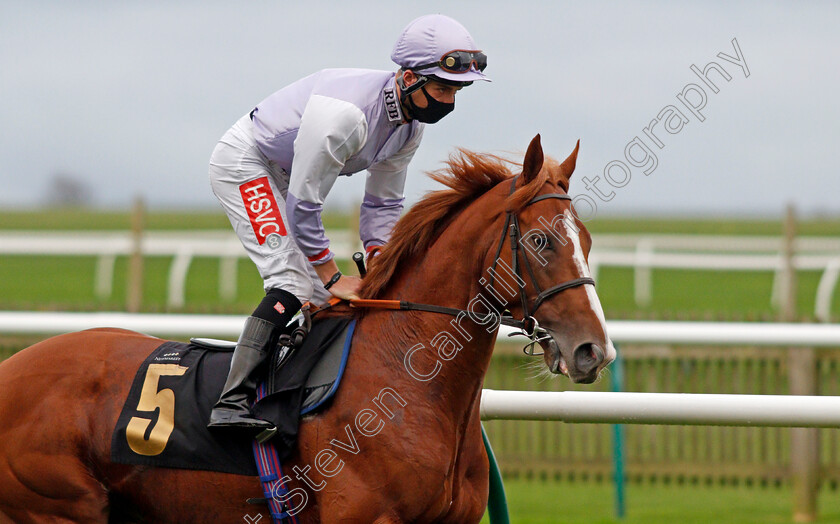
<point x="263" y="212"/>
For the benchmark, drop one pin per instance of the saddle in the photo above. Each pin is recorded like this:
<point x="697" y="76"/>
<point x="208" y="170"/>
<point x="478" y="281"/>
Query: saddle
<point x="152" y="430"/>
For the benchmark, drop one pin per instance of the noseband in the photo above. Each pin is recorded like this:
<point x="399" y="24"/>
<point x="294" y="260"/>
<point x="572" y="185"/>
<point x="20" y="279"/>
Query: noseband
<point x="527" y="325"/>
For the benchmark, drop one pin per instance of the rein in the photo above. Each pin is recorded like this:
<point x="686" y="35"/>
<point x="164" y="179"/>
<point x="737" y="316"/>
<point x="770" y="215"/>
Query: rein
<point x="527" y="325"/>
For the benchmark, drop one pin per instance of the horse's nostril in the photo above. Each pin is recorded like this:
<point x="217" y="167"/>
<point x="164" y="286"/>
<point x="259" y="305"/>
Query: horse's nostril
<point x="588" y="357"/>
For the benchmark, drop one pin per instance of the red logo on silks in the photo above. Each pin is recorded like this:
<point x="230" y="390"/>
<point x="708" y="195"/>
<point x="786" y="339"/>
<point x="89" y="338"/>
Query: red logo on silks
<point x="262" y="209"/>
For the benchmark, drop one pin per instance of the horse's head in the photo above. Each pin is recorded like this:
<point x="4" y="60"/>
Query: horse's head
<point x="548" y="249"/>
<point x="532" y="256"/>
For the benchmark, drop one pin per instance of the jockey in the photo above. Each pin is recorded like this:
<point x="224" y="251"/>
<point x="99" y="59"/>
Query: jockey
<point x="273" y="169"/>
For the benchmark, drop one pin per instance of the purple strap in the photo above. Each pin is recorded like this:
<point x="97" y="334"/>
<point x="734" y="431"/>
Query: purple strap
<point x="271" y="476"/>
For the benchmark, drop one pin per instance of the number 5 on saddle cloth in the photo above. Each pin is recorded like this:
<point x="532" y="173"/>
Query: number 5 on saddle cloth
<point x="163" y="421"/>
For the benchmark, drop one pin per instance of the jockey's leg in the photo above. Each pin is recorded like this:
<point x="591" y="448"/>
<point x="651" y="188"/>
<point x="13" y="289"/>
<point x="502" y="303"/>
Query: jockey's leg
<point x="258" y="338"/>
<point x="252" y="191"/>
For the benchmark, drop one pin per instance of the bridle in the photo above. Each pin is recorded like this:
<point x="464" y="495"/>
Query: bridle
<point x="527" y="325"/>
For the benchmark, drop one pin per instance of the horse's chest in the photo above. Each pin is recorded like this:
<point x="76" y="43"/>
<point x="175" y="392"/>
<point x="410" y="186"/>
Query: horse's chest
<point x="462" y="504"/>
<point x="462" y="495"/>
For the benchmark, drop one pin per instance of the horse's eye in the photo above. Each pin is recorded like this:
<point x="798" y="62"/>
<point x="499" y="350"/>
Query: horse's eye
<point x="542" y="242"/>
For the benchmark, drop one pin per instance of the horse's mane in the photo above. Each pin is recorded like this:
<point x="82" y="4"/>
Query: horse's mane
<point x="468" y="175"/>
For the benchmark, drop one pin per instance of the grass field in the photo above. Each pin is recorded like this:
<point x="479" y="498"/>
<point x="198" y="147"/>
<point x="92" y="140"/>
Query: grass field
<point x="538" y="502"/>
<point x="83" y="219"/>
<point x="76" y="219"/>
<point x="67" y="283"/>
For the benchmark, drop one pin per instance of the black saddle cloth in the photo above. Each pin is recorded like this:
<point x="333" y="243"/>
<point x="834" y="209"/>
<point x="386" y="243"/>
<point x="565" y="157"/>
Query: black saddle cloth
<point x="163" y="421"/>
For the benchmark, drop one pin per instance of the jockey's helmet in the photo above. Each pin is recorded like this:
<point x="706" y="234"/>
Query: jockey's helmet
<point x="436" y="47"/>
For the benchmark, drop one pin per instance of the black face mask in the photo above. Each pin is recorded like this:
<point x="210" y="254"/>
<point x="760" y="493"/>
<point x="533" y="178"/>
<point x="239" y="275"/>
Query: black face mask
<point x="433" y="111"/>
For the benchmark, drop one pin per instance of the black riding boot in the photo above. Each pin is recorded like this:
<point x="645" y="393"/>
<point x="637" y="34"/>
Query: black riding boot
<point x="233" y="408"/>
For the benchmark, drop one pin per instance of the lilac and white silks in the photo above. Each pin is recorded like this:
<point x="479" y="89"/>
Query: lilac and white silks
<point x="301" y="138"/>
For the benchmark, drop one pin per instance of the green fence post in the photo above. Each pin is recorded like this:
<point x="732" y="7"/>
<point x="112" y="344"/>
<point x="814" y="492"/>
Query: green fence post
<point x="617" y="384"/>
<point x="497" y="502"/>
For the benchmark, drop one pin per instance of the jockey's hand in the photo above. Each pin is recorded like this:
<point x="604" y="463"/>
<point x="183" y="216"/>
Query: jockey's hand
<point x="347" y="287"/>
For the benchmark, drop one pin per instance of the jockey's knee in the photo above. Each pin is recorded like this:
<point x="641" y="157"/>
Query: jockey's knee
<point x="278" y="307"/>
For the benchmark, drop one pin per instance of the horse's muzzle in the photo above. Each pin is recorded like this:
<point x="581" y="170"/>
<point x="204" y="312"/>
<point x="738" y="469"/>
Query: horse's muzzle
<point x="588" y="358"/>
<point x="582" y="365"/>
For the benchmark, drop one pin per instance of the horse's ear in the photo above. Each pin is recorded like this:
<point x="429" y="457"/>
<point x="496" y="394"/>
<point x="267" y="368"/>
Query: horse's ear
<point x="533" y="160"/>
<point x="568" y="165"/>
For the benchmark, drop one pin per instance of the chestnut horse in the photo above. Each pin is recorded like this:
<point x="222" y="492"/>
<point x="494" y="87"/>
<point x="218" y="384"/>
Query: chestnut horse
<point x="401" y="441"/>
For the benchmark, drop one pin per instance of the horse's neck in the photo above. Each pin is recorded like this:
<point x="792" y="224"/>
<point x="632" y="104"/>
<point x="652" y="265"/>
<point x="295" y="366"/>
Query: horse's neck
<point x="452" y="354"/>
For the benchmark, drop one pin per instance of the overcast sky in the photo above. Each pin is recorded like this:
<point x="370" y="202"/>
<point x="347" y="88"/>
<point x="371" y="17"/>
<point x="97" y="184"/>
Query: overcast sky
<point x="131" y="97"/>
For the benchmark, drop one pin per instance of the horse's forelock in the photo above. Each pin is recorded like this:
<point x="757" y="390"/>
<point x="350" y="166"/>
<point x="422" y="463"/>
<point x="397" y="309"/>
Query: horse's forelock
<point x="551" y="172"/>
<point x="558" y="175"/>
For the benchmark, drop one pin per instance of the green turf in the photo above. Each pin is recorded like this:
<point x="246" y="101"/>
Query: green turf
<point x="84" y="219"/>
<point x="551" y="502"/>
<point x="70" y="219"/>
<point x="705" y="294"/>
<point x="68" y="282"/>
<point x="712" y="226"/>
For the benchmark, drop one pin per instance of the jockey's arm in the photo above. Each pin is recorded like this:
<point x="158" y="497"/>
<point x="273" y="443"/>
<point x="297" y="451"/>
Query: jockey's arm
<point x="331" y="131"/>
<point x="385" y="194"/>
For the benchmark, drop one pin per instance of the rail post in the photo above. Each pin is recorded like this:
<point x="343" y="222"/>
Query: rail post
<point x="134" y="292"/>
<point x="228" y="270"/>
<point x="802" y="371"/>
<point x="642" y="274"/>
<point x="616" y="385"/>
